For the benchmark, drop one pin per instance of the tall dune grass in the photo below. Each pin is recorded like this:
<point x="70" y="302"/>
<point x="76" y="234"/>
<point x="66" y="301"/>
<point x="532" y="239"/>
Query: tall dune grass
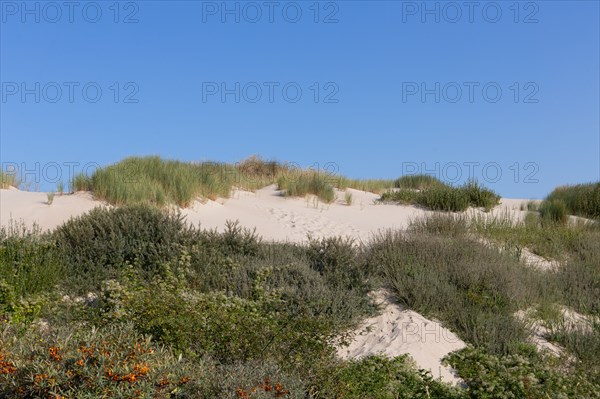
<point x="438" y="196"/>
<point x="156" y="181"/>
<point x="160" y="182"/>
<point x="376" y="186"/>
<point x="8" y="179"/>
<point x="581" y="199"/>
<point x="417" y="182"/>
<point x="299" y="185"/>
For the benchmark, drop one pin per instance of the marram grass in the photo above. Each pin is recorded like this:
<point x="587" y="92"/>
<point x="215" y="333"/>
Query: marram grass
<point x="437" y="196"/>
<point x="152" y="180"/>
<point x="581" y="199"/>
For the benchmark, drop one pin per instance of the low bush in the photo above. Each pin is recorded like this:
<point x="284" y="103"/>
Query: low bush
<point x="29" y="264"/>
<point x="439" y="223"/>
<point x="521" y="375"/>
<point x="578" y="278"/>
<point x="96" y="245"/>
<point x="224" y="327"/>
<point x="471" y="288"/>
<point x="381" y="377"/>
<point x="335" y="259"/>
<point x="104" y="363"/>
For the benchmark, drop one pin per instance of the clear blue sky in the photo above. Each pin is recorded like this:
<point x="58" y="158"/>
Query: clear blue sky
<point x="370" y="60"/>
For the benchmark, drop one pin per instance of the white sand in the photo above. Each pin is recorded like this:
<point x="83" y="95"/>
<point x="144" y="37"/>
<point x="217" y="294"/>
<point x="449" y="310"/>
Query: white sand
<point x="395" y="331"/>
<point x="275" y="217"/>
<point x="32" y="207"/>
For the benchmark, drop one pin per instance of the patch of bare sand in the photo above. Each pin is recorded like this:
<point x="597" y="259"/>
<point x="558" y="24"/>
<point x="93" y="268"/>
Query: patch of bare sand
<point x="397" y="331"/>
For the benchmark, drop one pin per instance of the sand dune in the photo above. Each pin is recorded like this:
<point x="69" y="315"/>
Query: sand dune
<point x="275" y="217"/>
<point x="394" y="332"/>
<point x="32" y="207"/>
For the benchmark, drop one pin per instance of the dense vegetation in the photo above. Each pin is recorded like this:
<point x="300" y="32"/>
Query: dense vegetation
<point x="581" y="199"/>
<point x="417" y="182"/>
<point x="133" y="302"/>
<point x="433" y="194"/>
<point x="160" y="182"/>
<point x="153" y="180"/>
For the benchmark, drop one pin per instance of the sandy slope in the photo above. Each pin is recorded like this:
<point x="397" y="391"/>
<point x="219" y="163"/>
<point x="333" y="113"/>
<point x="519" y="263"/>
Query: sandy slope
<point x="275" y="217"/>
<point x="31" y="207"/>
<point x="395" y="331"/>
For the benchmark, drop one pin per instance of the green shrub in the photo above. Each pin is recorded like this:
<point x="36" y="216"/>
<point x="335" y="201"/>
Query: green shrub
<point x="520" y="375"/>
<point x="98" y="244"/>
<point x="379" y="377"/>
<point x="310" y="283"/>
<point x="29" y="264"/>
<point x="554" y="211"/>
<point x="335" y="259"/>
<point x="581" y="199"/>
<point x="256" y="380"/>
<point x="227" y="328"/>
<point x="109" y="362"/>
<point x="471" y="288"/>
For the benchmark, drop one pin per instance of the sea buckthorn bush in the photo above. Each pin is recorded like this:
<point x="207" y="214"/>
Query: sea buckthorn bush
<point x="113" y="362"/>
